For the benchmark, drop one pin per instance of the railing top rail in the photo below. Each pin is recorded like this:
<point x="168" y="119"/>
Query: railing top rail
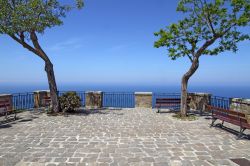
<point x="166" y="93"/>
<point x="220" y="97"/>
<point x="23" y="93"/>
<point x="118" y="92"/>
<point x="71" y="91"/>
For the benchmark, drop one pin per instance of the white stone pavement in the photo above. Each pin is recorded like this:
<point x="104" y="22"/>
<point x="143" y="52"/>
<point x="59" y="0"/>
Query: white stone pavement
<point x="117" y="137"/>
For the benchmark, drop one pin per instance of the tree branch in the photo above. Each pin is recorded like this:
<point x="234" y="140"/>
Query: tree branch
<point x="206" y="45"/>
<point x="210" y="24"/>
<point x="26" y="45"/>
<point x="210" y="42"/>
<point x="23" y="43"/>
<point x="190" y="58"/>
<point x="37" y="46"/>
<point x="207" y="18"/>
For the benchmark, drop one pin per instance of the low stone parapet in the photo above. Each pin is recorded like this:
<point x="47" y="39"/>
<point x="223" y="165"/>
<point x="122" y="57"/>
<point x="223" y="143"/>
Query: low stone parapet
<point x="242" y="105"/>
<point x="93" y="99"/>
<point x="143" y="99"/>
<point x="39" y="98"/>
<point x="198" y="101"/>
<point x="239" y="104"/>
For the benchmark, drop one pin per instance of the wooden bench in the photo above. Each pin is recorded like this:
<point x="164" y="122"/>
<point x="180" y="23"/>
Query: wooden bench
<point x="4" y="109"/>
<point x="47" y="101"/>
<point x="168" y="103"/>
<point x="233" y="117"/>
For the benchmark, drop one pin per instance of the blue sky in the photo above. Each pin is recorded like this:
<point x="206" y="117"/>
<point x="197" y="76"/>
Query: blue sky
<point x="110" y="42"/>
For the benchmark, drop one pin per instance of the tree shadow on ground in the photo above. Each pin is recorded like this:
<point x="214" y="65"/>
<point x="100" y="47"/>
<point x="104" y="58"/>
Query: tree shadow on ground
<point x="167" y="111"/>
<point x="190" y="112"/>
<point x="207" y="116"/>
<point x="86" y="112"/>
<point x="4" y="126"/>
<point x="7" y="123"/>
<point x="223" y="127"/>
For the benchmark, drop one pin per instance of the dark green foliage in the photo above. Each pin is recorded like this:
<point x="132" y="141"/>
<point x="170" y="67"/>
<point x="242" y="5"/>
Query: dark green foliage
<point x="209" y="28"/>
<point x="21" y="16"/>
<point x="69" y="101"/>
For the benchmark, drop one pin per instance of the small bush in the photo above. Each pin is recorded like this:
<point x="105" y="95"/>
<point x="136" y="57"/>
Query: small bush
<point x="69" y="102"/>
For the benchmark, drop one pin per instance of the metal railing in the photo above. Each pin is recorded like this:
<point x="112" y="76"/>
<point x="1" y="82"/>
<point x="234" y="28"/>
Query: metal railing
<point x="116" y="99"/>
<point x="119" y="99"/>
<point x="166" y="95"/>
<point x="21" y="101"/>
<point x="221" y="102"/>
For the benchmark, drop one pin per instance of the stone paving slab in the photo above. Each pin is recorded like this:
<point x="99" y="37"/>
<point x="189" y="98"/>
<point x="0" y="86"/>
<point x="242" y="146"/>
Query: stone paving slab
<point x="126" y="137"/>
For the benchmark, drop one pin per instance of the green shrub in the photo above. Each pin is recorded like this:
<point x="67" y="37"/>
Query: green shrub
<point x="69" y="102"/>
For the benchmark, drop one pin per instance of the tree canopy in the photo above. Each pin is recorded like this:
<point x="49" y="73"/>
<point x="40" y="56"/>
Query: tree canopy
<point x="205" y="22"/>
<point x="209" y="27"/>
<point x="19" y="17"/>
<point x="23" y="19"/>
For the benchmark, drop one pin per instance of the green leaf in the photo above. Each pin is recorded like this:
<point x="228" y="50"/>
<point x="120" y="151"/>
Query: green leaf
<point x="208" y="28"/>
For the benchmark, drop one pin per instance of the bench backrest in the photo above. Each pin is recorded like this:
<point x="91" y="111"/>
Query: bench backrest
<point x="46" y="98"/>
<point x="4" y="104"/>
<point x="234" y="115"/>
<point x="169" y="100"/>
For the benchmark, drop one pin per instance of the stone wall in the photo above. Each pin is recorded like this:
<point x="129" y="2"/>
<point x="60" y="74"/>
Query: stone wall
<point x="94" y="99"/>
<point x="242" y="105"/>
<point x="39" y="98"/>
<point x="198" y="101"/>
<point x="7" y="98"/>
<point x="143" y="99"/>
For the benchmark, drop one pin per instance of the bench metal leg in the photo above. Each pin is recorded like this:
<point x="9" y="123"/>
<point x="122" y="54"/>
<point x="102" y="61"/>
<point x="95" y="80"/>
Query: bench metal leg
<point x="6" y="115"/>
<point x="212" y="124"/>
<point x="158" y="111"/>
<point x="241" y="132"/>
<point x="15" y="117"/>
<point x="221" y="125"/>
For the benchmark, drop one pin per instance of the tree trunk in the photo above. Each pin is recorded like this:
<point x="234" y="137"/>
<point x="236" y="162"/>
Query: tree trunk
<point x="184" y="85"/>
<point x="52" y="86"/>
<point x="184" y="96"/>
<point x="48" y="65"/>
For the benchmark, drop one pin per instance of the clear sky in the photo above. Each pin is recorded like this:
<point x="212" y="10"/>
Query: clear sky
<point x="111" y="42"/>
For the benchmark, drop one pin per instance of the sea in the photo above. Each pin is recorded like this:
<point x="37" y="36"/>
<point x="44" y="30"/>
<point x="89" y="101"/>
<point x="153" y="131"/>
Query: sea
<point x="222" y="91"/>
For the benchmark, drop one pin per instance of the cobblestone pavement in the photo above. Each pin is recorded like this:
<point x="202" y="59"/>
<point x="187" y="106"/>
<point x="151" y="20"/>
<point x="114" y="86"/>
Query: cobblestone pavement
<point x="117" y="137"/>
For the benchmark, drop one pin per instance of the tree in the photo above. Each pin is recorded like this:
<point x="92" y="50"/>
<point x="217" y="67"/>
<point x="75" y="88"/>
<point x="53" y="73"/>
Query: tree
<point x="210" y="27"/>
<point x="22" y="20"/>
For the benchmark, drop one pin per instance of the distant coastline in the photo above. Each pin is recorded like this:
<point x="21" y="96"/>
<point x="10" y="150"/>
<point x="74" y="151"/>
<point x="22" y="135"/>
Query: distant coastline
<point x="226" y="91"/>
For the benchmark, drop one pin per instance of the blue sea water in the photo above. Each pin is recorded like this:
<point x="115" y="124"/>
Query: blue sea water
<point x="223" y="91"/>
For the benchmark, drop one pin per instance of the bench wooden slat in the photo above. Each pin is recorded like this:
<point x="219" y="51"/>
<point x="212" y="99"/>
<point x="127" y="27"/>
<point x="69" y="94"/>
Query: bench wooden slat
<point x="4" y="109"/>
<point x="226" y="111"/>
<point x="171" y="103"/>
<point x="163" y="101"/>
<point x="231" y="114"/>
<point x="233" y="121"/>
<point x="242" y="119"/>
<point x="4" y="105"/>
<point x="4" y="102"/>
<point x="167" y="99"/>
<point x="166" y="104"/>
